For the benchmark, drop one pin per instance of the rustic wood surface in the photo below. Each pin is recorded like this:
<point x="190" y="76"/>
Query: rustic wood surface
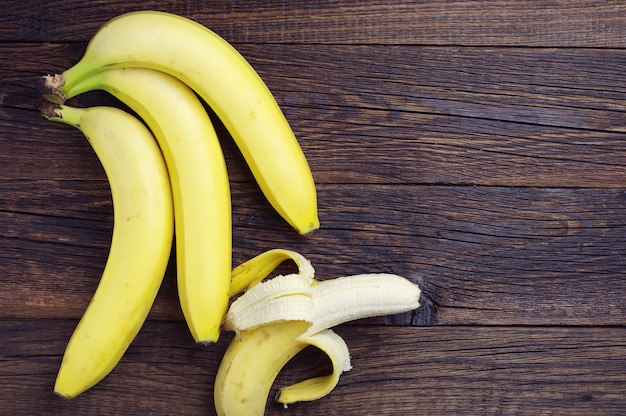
<point x="475" y="147"/>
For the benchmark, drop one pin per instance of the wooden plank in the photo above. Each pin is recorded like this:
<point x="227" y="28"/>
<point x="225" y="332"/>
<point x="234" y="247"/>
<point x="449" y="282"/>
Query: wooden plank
<point x="416" y="149"/>
<point x="483" y="255"/>
<point x="577" y="88"/>
<point x="430" y="115"/>
<point x="585" y="23"/>
<point x="435" y="371"/>
<point x="475" y="147"/>
<point x="554" y="87"/>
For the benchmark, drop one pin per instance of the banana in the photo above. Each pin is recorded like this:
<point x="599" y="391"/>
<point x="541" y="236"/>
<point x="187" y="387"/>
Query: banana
<point x="297" y="316"/>
<point x="226" y="81"/>
<point x="140" y="245"/>
<point x="200" y="187"/>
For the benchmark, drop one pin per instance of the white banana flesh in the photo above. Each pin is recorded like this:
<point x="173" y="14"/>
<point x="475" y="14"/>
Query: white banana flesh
<point x="200" y="186"/>
<point x="225" y="80"/>
<point x="135" y="267"/>
<point x="279" y="299"/>
<point x="267" y="340"/>
<point x="350" y="298"/>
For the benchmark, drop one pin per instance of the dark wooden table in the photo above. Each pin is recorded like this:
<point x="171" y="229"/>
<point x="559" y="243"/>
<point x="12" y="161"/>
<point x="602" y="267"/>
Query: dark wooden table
<point x="475" y="147"/>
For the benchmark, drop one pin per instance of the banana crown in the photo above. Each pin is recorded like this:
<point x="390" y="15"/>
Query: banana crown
<point x="275" y="307"/>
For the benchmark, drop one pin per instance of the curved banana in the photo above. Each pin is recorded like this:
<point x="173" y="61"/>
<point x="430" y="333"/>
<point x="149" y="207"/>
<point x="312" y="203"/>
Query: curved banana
<point x="200" y="187"/>
<point x="140" y="244"/>
<point x="315" y="388"/>
<point x="226" y="81"/>
<point x="297" y="316"/>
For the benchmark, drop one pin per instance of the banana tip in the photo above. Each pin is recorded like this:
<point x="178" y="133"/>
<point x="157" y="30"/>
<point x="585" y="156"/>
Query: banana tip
<point x="63" y="395"/>
<point x="207" y="339"/>
<point x="310" y="228"/>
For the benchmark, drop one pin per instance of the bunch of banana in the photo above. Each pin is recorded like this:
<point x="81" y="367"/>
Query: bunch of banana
<point x="170" y="178"/>
<point x="155" y="63"/>
<point x="276" y="319"/>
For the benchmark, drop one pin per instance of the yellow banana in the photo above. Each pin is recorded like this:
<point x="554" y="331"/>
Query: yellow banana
<point x="200" y="187"/>
<point x="259" y="267"/>
<point x="140" y="245"/>
<point x="226" y="81"/>
<point x="315" y="388"/>
<point x="276" y="319"/>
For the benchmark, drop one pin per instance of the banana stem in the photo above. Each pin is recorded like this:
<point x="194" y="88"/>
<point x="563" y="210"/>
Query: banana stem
<point x="61" y="113"/>
<point x="49" y="86"/>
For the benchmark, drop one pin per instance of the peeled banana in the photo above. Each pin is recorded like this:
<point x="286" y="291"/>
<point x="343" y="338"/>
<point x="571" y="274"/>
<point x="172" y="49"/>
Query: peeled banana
<point x="200" y="187"/>
<point x="142" y="204"/>
<point x="225" y="80"/>
<point x="270" y="333"/>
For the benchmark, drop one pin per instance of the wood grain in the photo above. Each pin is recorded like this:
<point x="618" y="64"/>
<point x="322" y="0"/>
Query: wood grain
<point x="482" y="255"/>
<point x="475" y="147"/>
<point x="437" y="370"/>
<point x="486" y="112"/>
<point x="584" y="23"/>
